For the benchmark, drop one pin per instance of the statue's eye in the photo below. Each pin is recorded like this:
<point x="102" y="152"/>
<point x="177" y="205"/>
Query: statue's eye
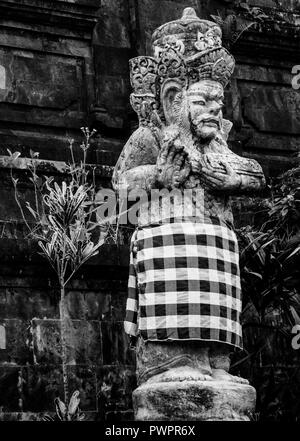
<point x="199" y="102"/>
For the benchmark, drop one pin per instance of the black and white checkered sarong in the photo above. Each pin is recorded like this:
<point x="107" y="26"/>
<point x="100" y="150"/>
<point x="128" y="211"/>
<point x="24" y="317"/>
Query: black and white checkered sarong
<point x="184" y="283"/>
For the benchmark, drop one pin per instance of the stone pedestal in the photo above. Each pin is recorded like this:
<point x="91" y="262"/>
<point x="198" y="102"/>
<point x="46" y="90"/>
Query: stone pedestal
<point x="194" y="401"/>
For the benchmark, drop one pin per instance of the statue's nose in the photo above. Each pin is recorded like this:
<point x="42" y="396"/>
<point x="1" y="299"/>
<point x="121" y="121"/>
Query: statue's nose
<point x="214" y="108"/>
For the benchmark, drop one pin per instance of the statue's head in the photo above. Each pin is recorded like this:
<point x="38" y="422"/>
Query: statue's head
<point x="184" y="81"/>
<point x="196" y="108"/>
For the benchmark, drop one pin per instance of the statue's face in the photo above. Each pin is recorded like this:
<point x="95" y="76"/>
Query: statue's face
<point x="204" y="101"/>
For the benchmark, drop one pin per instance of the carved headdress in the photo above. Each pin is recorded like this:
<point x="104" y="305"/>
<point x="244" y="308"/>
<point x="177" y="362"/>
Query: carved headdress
<point x="188" y="49"/>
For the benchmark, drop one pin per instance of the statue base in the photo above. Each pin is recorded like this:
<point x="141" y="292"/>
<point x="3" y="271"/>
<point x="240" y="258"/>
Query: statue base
<point x="193" y="401"/>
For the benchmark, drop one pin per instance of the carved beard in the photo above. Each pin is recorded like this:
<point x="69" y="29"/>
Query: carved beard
<point x="182" y="116"/>
<point x="187" y="128"/>
<point x="182" y="121"/>
<point x="194" y="130"/>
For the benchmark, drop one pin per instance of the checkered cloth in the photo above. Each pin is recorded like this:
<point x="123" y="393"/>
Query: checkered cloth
<point x="184" y="283"/>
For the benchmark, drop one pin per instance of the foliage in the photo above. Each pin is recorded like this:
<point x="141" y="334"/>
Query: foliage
<point x="232" y="27"/>
<point x="234" y="24"/>
<point x="65" y="225"/>
<point x="270" y="254"/>
<point x="64" y="214"/>
<point x="67" y="413"/>
<point x="270" y="272"/>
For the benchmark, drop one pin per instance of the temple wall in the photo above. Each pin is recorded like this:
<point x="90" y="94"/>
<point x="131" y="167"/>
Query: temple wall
<point x="63" y="65"/>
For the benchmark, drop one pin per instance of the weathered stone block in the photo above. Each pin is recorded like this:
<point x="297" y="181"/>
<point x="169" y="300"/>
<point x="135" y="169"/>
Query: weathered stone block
<point x="88" y="305"/>
<point x="114" y="388"/>
<point x="112" y="61"/>
<point x="17" y="348"/>
<point x="92" y="299"/>
<point x="83" y="379"/>
<point x="105" y="302"/>
<point x="114" y="94"/>
<point x="264" y="107"/>
<point x="262" y="74"/>
<point x="25" y="303"/>
<point x="9" y="390"/>
<point x="115" y="344"/>
<point x="126" y="415"/>
<point x="112" y="29"/>
<point x="118" y="305"/>
<point x="22" y="416"/>
<point x="41" y="385"/>
<point x="194" y="401"/>
<point x="83" y="342"/>
<point x="39" y="79"/>
<point x="111" y="144"/>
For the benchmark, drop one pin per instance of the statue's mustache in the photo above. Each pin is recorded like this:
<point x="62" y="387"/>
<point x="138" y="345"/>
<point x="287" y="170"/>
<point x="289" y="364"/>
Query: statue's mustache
<point x="204" y="120"/>
<point x="209" y="119"/>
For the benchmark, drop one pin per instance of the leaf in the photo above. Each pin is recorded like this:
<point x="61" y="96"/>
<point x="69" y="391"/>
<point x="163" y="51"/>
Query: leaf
<point x="218" y="19"/>
<point x="64" y="188"/>
<point x="87" y="249"/>
<point x="61" y="409"/>
<point x="255" y="274"/>
<point x="294" y="252"/>
<point x="48" y="418"/>
<point x="44" y="249"/>
<point x="34" y="154"/>
<point x="74" y="403"/>
<point x="15" y="155"/>
<point x="30" y="209"/>
<point x="245" y="6"/>
<point x="243" y="28"/>
<point x="295" y="315"/>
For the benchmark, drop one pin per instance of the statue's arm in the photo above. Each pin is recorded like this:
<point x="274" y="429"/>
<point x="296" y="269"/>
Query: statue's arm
<point x="232" y="181"/>
<point x="140" y="177"/>
<point x="146" y="165"/>
<point x="247" y="177"/>
<point x="136" y="167"/>
<point x="252" y="182"/>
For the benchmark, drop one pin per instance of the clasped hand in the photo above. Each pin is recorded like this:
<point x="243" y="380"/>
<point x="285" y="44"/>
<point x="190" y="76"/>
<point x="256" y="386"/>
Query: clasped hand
<point x="174" y="167"/>
<point x="215" y="180"/>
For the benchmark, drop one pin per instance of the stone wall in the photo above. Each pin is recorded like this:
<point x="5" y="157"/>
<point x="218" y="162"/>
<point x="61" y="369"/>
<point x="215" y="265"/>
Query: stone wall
<point x="63" y="65"/>
<point x="47" y="92"/>
<point x="100" y="364"/>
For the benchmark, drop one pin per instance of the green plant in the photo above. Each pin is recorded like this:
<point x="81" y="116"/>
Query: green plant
<point x="65" y="226"/>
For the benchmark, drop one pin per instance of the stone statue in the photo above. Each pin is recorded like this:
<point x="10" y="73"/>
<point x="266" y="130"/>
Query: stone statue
<point x="184" y="300"/>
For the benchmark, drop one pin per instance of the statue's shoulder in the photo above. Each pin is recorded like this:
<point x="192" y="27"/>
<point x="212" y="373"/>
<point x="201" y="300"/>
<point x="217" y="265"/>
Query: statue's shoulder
<point x="141" y="148"/>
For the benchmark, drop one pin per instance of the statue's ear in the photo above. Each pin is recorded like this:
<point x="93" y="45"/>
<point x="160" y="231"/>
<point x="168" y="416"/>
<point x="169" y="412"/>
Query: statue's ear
<point x="169" y="91"/>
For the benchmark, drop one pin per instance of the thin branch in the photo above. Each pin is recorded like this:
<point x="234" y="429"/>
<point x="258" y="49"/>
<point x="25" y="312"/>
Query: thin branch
<point x="18" y="201"/>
